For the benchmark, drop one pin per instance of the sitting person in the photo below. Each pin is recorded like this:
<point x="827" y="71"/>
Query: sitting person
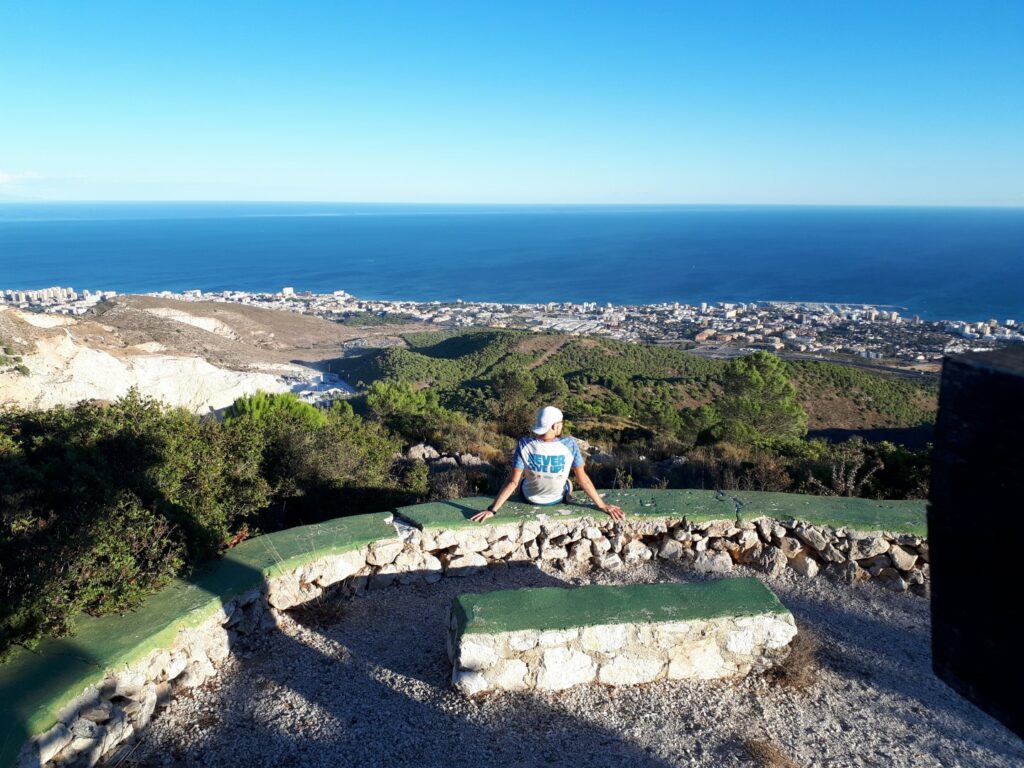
<point x="541" y="469"/>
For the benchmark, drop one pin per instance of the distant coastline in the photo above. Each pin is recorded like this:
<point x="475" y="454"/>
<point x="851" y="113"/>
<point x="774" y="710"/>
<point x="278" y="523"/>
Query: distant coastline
<point x="939" y="263"/>
<point x="721" y="329"/>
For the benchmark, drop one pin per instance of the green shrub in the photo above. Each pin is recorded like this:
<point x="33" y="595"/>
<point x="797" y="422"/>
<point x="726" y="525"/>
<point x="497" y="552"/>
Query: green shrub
<point x="262" y="405"/>
<point x="101" y="504"/>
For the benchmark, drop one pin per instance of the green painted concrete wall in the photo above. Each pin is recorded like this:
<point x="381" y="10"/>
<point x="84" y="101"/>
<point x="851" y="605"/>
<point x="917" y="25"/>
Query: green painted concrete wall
<point x="697" y="506"/>
<point x="35" y="685"/>
<point x="835" y="511"/>
<point x="547" y="608"/>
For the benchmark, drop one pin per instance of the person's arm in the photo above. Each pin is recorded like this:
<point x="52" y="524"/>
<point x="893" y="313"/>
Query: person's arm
<point x="503" y="494"/>
<point x="614" y="512"/>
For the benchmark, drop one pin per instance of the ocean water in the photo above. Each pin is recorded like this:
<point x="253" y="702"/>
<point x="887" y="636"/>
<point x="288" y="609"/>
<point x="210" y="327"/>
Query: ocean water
<point x="937" y="262"/>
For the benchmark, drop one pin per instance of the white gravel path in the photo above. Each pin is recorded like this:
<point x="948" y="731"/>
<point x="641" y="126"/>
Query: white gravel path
<point x="372" y="689"/>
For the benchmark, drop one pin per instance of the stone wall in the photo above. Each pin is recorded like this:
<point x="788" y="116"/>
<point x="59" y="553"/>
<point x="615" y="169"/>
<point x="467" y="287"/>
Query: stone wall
<point x="900" y="561"/>
<point x="619" y="654"/>
<point x="105" y="717"/>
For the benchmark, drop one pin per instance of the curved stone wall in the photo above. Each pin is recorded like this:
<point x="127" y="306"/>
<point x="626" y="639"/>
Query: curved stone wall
<point x="83" y="698"/>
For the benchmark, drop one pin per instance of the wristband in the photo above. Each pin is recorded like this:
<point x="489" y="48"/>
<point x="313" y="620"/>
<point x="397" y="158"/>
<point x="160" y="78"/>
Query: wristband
<point x="491" y="509"/>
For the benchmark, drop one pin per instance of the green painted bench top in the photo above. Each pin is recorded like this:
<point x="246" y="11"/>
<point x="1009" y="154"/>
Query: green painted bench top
<point x="553" y="608"/>
<point x="34" y="685"/>
<point x="836" y="511"/>
<point x="696" y="505"/>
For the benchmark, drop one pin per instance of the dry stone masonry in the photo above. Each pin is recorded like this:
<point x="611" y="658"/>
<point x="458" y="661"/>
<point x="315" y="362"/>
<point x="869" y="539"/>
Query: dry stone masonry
<point x="85" y="716"/>
<point x="553" y="638"/>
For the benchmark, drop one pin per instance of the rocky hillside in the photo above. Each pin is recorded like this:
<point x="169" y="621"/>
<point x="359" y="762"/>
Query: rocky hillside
<point x="201" y="355"/>
<point x="615" y="380"/>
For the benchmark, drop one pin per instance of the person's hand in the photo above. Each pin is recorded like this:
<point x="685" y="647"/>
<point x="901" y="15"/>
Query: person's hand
<point x="614" y="512"/>
<point x="479" y="517"/>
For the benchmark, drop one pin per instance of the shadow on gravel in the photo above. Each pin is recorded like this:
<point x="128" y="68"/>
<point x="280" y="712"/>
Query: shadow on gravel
<point x="897" y="658"/>
<point x="379" y="684"/>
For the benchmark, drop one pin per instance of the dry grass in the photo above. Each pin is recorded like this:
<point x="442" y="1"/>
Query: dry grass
<point x="802" y="667"/>
<point x="767" y="754"/>
<point x="322" y="611"/>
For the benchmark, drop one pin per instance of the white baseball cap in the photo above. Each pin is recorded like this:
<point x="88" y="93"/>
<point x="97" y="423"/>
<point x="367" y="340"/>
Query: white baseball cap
<point x="546" y="418"/>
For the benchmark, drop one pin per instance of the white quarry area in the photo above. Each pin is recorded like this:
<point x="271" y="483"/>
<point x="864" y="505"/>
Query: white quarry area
<point x="63" y="371"/>
<point x="211" y="324"/>
<point x="619" y="654"/>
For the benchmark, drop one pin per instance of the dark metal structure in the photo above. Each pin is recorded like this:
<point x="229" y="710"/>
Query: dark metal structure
<point x="975" y="534"/>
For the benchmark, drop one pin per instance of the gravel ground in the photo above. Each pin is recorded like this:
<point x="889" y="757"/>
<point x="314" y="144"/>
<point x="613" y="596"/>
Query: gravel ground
<point x="365" y="682"/>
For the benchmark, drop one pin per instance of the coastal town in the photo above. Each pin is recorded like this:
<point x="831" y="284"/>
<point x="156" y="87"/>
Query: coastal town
<point x="857" y="333"/>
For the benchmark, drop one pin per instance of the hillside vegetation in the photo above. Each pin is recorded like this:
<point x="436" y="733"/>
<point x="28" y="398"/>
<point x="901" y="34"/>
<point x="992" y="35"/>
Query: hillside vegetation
<point x="602" y="378"/>
<point x="100" y="504"/>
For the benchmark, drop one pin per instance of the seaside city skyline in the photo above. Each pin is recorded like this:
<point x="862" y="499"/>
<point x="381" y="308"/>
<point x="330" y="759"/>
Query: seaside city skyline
<point x="918" y="103"/>
<point x="724" y="329"/>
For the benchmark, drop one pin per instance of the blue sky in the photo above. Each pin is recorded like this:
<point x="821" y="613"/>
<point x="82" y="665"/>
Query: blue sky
<point x="767" y="101"/>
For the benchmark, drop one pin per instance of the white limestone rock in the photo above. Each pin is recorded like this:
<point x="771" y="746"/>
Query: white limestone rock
<point x="556" y="637"/>
<point x="470" y="543"/>
<point x="631" y="669"/>
<point x="718" y="528"/>
<point x="772" y="560"/>
<point x="523" y="641"/>
<point x="196" y="673"/>
<point x="529" y="531"/>
<point x="385" y="576"/>
<point x="422" y="452"/>
<point x="902" y="558"/>
<point x="600" y="546"/>
<point x="175" y="665"/>
<point x="500" y="549"/>
<point x="53" y="741"/>
<point x="870" y="546"/>
<point x="832" y="555"/>
<point x="741" y="641"/>
<point x="804" y="565"/>
<point x="609" y="561"/>
<point x="670" y="549"/>
<point x="510" y="675"/>
<point x="384" y="552"/>
<point x="699" y="660"/>
<point x="464" y="564"/>
<point x="604" y="638"/>
<point x="581" y="550"/>
<point x="476" y="656"/>
<point x="445" y="540"/>
<point x="748" y="539"/>
<point x="790" y="546"/>
<point x="470" y="683"/>
<point x="563" y="668"/>
<point x="554" y="553"/>
<point x="713" y="562"/>
<point x="636" y="551"/>
<point x="812" y="537"/>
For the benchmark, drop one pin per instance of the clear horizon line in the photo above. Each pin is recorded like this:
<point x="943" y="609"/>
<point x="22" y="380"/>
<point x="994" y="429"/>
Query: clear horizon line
<point x="485" y="204"/>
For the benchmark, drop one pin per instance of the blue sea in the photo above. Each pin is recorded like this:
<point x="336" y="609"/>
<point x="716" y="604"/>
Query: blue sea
<point x="954" y="263"/>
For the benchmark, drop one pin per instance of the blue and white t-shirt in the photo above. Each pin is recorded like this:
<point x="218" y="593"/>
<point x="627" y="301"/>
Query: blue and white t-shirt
<point x="546" y="466"/>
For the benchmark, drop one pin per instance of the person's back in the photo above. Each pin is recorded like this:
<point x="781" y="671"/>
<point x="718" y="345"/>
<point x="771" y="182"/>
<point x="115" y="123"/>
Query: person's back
<point x="546" y="465"/>
<point x="541" y="467"/>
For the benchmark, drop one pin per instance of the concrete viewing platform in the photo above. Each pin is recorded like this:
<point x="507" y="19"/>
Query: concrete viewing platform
<point x="552" y="638"/>
<point x="131" y="665"/>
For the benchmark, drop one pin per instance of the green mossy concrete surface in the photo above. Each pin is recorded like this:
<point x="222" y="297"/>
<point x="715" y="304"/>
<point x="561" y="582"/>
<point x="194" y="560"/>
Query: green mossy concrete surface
<point x="695" y="505"/>
<point x="35" y="685"/>
<point x="836" y="511"/>
<point x="548" y="608"/>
